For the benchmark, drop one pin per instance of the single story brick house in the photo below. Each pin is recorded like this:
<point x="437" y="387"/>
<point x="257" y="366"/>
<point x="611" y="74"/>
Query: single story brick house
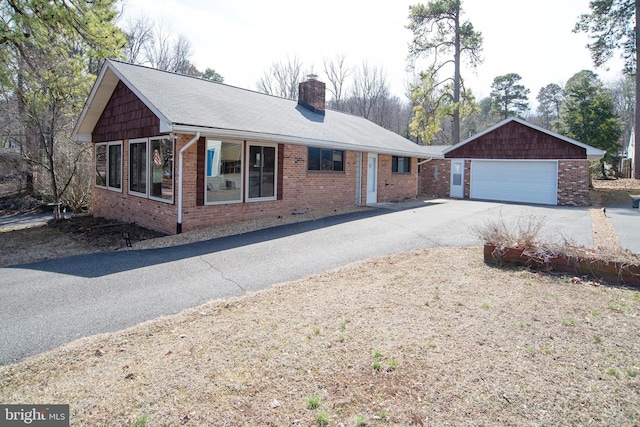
<point x="173" y="152"/>
<point x="513" y="161"/>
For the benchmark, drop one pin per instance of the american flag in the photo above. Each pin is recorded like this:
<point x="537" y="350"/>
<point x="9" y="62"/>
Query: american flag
<point x="156" y="158"/>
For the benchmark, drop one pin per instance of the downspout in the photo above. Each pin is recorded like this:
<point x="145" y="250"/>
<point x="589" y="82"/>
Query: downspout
<point x="359" y="178"/>
<point x="180" y="155"/>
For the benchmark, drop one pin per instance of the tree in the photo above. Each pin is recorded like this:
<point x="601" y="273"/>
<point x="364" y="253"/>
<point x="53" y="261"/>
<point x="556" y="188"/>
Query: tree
<point x="432" y="104"/>
<point x="139" y="33"/>
<point x="587" y="115"/>
<point x="48" y="78"/>
<point x="282" y="79"/>
<point x="623" y="95"/>
<point x="211" y="74"/>
<point x="612" y="25"/>
<point x="166" y="53"/>
<point x="549" y="100"/>
<point x="509" y="98"/>
<point x="152" y="45"/>
<point x="439" y="33"/>
<point x="369" y="88"/>
<point x="337" y="73"/>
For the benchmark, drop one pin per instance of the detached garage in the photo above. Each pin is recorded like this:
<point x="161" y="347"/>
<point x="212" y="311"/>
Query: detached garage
<point x="513" y="161"/>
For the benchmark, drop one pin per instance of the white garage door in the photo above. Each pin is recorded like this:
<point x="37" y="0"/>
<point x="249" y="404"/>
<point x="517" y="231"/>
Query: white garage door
<point x="515" y="181"/>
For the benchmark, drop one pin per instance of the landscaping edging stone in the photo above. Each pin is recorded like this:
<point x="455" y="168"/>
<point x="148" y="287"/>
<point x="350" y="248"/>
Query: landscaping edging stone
<point x="612" y="272"/>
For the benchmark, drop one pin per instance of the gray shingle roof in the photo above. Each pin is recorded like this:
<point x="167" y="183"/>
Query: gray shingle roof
<point x="185" y="103"/>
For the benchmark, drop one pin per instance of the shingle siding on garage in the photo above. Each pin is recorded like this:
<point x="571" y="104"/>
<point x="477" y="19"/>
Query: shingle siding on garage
<point x="516" y="141"/>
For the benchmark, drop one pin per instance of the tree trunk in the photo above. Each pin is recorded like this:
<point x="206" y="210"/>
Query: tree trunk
<point x="52" y="175"/>
<point x="636" y="155"/>
<point x="456" y="79"/>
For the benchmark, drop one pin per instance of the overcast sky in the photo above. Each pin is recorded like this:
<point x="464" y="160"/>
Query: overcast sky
<point x="240" y="39"/>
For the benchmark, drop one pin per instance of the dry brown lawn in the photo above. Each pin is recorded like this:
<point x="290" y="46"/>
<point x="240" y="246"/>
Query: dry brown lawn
<point x="458" y="343"/>
<point x="428" y="338"/>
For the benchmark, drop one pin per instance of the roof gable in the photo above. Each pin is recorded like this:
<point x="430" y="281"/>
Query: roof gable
<point x="515" y="138"/>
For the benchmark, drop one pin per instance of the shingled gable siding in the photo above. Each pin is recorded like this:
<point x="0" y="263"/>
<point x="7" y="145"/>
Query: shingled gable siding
<point x="517" y="141"/>
<point x="395" y="187"/>
<point x="125" y="116"/>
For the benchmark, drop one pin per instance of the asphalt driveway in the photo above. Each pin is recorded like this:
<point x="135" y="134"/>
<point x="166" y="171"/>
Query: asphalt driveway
<point x="47" y="304"/>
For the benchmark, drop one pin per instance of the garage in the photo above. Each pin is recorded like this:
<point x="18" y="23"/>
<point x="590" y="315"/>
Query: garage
<point x="515" y="181"/>
<point x="513" y="161"/>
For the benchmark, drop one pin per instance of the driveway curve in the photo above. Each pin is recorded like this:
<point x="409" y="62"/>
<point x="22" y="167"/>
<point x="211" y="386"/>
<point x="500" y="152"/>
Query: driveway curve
<point x="50" y="303"/>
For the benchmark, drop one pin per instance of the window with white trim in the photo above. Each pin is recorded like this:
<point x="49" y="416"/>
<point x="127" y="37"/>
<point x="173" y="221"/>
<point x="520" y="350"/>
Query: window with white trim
<point x="151" y="168"/>
<point x="261" y="172"/>
<point x="161" y="165"/>
<point x="223" y="172"/>
<point x="108" y="166"/>
<point x="138" y="167"/>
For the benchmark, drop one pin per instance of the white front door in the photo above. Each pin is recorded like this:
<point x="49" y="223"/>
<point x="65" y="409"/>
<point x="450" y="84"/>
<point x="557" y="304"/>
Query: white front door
<point x="372" y="179"/>
<point x="457" y="179"/>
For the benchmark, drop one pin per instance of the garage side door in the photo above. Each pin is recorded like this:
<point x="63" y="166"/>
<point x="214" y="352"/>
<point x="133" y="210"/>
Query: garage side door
<point x="515" y="181"/>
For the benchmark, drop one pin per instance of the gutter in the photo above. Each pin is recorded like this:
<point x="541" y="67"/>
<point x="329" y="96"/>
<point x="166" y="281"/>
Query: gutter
<point x="266" y="137"/>
<point x="180" y="156"/>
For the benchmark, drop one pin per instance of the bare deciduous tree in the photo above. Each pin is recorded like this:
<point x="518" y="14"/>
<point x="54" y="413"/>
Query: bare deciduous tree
<point x="337" y="72"/>
<point x="139" y="33"/>
<point x="369" y="87"/>
<point x="282" y="78"/>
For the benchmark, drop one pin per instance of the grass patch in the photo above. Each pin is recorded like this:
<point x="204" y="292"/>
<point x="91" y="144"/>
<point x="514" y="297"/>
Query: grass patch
<point x="142" y="421"/>
<point x="323" y="418"/>
<point x="313" y="402"/>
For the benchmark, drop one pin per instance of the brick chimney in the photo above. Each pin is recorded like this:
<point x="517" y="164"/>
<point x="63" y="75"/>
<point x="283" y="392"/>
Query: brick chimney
<point x="311" y="94"/>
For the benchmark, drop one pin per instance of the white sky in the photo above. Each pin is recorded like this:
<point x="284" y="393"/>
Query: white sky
<point x="240" y="39"/>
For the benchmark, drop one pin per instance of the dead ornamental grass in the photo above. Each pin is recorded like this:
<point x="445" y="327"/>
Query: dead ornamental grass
<point x="456" y="343"/>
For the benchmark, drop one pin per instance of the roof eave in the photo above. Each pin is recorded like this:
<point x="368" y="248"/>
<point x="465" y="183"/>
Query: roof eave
<point x="288" y="139"/>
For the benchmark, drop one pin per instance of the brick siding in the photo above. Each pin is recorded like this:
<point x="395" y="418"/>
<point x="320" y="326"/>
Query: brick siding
<point x="395" y="187"/>
<point x="435" y="176"/>
<point x="301" y="191"/>
<point x="573" y="183"/>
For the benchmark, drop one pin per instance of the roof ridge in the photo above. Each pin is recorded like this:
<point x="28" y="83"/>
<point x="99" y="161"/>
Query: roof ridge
<point x="125" y="63"/>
